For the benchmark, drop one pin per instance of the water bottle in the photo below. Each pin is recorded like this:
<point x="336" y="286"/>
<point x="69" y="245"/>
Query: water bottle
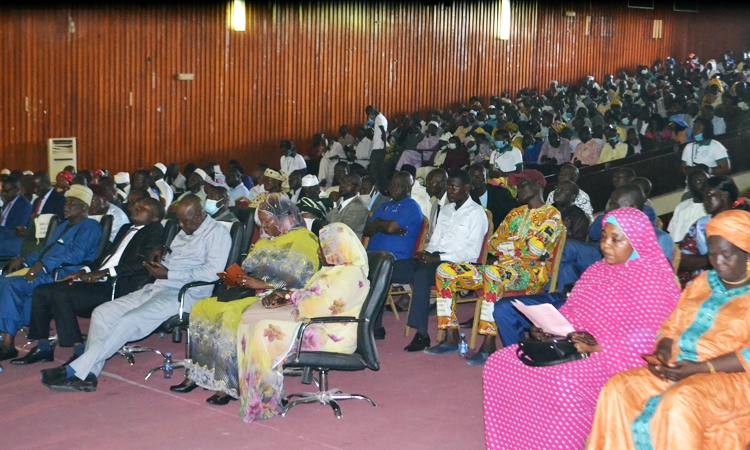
<point x="463" y="346"/>
<point x="168" y="369"/>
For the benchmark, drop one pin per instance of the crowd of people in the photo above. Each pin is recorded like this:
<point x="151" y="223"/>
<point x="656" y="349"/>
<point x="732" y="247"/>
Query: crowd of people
<point x="458" y="199"/>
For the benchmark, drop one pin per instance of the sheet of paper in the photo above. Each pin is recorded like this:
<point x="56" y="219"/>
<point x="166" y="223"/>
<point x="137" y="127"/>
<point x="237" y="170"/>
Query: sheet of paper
<point x="546" y="317"/>
<point x="19" y="273"/>
<point x="42" y="222"/>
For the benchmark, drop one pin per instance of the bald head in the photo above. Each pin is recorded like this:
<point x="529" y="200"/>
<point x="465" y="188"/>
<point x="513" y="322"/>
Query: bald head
<point x="568" y="172"/>
<point x="190" y="213"/>
<point x="436" y="183"/>
<point x="400" y="187"/>
<point x="627" y="196"/>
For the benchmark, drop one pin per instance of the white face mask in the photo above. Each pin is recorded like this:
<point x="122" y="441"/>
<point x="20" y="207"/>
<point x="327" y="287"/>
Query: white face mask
<point x="452" y="146"/>
<point x="308" y="223"/>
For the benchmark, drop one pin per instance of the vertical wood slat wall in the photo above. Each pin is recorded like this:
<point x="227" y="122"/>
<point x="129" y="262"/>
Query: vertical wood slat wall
<point x="298" y="69"/>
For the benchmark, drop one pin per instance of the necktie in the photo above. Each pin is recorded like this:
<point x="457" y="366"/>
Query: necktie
<point x="6" y="209"/>
<point x="38" y="207"/>
<point x="130" y="230"/>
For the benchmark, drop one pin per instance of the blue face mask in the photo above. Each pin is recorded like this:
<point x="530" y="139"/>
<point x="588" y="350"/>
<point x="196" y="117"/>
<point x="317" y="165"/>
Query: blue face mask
<point x="626" y="121"/>
<point x="211" y="206"/>
<point x="613" y="140"/>
<point x="500" y="144"/>
<point x="568" y="115"/>
<point x="698" y="137"/>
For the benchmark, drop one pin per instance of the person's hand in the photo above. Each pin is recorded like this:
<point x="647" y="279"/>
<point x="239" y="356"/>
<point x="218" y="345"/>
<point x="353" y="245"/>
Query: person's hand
<point x="20" y="231"/>
<point x="156" y="269"/>
<point x="93" y="277"/>
<point x="584" y="342"/>
<point x="537" y="333"/>
<point x="16" y="264"/>
<point x="426" y="258"/>
<point x="251" y="282"/>
<point x="156" y="254"/>
<point x="543" y="159"/>
<point x="275" y="299"/>
<point x="400" y="232"/>
<point x="31" y="275"/>
<point x="72" y="277"/>
<point x="681" y="369"/>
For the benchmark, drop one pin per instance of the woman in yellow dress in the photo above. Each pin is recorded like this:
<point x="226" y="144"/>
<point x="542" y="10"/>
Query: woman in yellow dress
<point x="697" y="395"/>
<point x="339" y="288"/>
<point x="284" y="256"/>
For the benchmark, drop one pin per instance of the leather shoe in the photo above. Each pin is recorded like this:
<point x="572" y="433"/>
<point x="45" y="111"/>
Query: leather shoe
<point x="218" y="400"/>
<point x="442" y="349"/>
<point x="35" y="356"/>
<point x="71" y="359"/>
<point x="48" y="375"/>
<point x="73" y="384"/>
<point x="418" y="344"/>
<point x="183" y="388"/>
<point x="379" y="334"/>
<point x="478" y="358"/>
<point x="8" y="353"/>
<point x="467" y="324"/>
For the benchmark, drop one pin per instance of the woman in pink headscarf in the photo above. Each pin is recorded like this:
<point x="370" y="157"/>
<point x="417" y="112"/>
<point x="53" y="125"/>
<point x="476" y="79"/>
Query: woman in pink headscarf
<point x="616" y="307"/>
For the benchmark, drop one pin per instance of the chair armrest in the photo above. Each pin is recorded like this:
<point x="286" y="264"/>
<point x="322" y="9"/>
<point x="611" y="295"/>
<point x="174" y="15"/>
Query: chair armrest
<point x="187" y="287"/>
<point x="61" y="266"/>
<point x="307" y="322"/>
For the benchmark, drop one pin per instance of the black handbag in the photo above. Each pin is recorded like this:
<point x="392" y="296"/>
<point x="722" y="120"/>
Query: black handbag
<point x="548" y="352"/>
<point x="224" y="295"/>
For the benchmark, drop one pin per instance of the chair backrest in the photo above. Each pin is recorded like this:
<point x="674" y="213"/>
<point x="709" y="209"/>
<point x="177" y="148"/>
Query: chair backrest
<point x="171" y="228"/>
<point x="555" y="259"/>
<point x="246" y="215"/>
<point x="106" y="222"/>
<point x="676" y="257"/>
<point x="54" y="221"/>
<point x="421" y="242"/>
<point x="237" y="232"/>
<point x="486" y="243"/>
<point x="381" y="269"/>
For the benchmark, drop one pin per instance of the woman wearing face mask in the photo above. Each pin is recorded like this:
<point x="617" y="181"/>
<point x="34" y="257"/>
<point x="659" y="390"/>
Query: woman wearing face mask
<point x="217" y="204"/>
<point x="286" y="256"/>
<point x="505" y="158"/>
<point x="456" y="156"/>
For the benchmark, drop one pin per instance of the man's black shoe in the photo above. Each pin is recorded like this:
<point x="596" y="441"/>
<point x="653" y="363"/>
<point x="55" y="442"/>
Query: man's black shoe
<point x="73" y="384"/>
<point x="183" y="388"/>
<point x="467" y="324"/>
<point x="418" y="344"/>
<point x="379" y="334"/>
<point x="35" y="356"/>
<point x="48" y="375"/>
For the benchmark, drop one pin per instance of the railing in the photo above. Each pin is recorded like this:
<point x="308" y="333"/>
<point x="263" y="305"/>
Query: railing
<point x="661" y="167"/>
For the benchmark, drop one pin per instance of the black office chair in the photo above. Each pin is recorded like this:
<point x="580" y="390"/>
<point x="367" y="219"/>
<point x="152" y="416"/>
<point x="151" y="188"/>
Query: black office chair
<point x="29" y="241"/>
<point x="181" y="321"/>
<point x="246" y="216"/>
<point x="366" y="355"/>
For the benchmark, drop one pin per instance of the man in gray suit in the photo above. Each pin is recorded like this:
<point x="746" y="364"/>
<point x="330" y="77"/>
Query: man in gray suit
<point x="349" y="209"/>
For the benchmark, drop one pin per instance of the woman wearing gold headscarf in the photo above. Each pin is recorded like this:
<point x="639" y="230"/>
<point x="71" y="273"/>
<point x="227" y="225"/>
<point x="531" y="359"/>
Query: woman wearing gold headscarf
<point x="697" y="394"/>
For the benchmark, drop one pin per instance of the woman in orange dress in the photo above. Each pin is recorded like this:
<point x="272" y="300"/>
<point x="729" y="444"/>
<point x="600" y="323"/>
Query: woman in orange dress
<point x="698" y="396"/>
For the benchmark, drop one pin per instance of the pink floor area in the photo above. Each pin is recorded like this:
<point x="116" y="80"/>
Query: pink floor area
<point x="423" y="402"/>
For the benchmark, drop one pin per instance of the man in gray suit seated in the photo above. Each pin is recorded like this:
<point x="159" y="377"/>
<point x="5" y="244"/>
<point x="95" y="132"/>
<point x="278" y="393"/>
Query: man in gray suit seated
<point x="349" y="208"/>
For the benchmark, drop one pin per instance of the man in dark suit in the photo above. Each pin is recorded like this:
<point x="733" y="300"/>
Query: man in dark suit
<point x="67" y="300"/>
<point x="496" y="199"/>
<point x="50" y="201"/>
<point x="16" y="212"/>
<point x="349" y="209"/>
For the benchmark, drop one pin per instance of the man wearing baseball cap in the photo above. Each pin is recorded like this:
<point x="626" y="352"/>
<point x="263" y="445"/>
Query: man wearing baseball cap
<point x="522" y="244"/>
<point x="73" y="242"/>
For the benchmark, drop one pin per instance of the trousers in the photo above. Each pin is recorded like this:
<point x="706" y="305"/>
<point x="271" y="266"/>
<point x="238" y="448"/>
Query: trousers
<point x="511" y="324"/>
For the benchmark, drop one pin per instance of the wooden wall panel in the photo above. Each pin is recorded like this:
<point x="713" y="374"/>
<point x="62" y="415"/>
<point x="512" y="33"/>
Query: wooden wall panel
<point x="106" y="74"/>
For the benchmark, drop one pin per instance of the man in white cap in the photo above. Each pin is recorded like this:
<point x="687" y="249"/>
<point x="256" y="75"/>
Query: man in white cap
<point x="74" y="241"/>
<point x="122" y="180"/>
<point x="195" y="185"/>
<point x="165" y="191"/>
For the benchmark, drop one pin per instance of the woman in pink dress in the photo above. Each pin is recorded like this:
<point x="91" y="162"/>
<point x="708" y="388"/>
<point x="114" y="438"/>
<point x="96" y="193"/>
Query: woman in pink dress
<point x="616" y="307"/>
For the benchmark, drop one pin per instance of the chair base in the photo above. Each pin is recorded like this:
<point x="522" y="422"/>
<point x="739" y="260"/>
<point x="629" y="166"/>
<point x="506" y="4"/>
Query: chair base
<point x="178" y="364"/>
<point x="127" y="352"/>
<point x="324" y="396"/>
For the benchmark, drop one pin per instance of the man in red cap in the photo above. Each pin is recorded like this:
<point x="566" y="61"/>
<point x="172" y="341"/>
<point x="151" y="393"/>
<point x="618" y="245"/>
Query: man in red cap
<point x="522" y="246"/>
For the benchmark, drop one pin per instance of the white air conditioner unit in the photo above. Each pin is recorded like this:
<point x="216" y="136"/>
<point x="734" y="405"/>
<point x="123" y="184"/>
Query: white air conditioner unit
<point x="61" y="152"/>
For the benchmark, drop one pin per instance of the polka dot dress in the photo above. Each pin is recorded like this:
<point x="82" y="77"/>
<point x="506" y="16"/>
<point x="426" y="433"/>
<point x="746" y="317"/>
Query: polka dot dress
<point x="623" y="306"/>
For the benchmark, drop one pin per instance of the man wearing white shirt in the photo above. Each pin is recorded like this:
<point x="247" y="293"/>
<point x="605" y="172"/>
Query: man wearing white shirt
<point x="690" y="210"/>
<point x="705" y="150"/>
<point x="569" y="172"/>
<point x="720" y="127"/>
<point x="436" y="184"/>
<point x="165" y="190"/>
<point x="291" y="160"/>
<point x="82" y="291"/>
<point x="364" y="146"/>
<point x="332" y="155"/>
<point x="100" y="206"/>
<point x="458" y="236"/>
<point x="379" y="144"/>
<point x="237" y="189"/>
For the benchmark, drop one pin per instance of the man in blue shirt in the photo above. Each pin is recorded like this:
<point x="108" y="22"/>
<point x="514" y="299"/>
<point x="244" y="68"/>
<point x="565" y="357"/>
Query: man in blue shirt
<point x="395" y="227"/>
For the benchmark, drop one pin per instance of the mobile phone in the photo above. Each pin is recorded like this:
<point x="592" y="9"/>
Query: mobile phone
<point x="653" y="360"/>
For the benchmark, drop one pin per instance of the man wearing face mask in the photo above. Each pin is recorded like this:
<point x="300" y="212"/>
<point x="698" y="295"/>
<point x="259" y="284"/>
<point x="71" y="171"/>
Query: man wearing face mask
<point x="505" y="158"/>
<point x="369" y="194"/>
<point x="613" y="149"/>
<point x="217" y="204"/>
<point x="588" y="151"/>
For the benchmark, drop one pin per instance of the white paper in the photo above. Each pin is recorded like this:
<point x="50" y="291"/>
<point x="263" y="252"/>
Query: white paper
<point x="546" y="317"/>
<point x="42" y="222"/>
